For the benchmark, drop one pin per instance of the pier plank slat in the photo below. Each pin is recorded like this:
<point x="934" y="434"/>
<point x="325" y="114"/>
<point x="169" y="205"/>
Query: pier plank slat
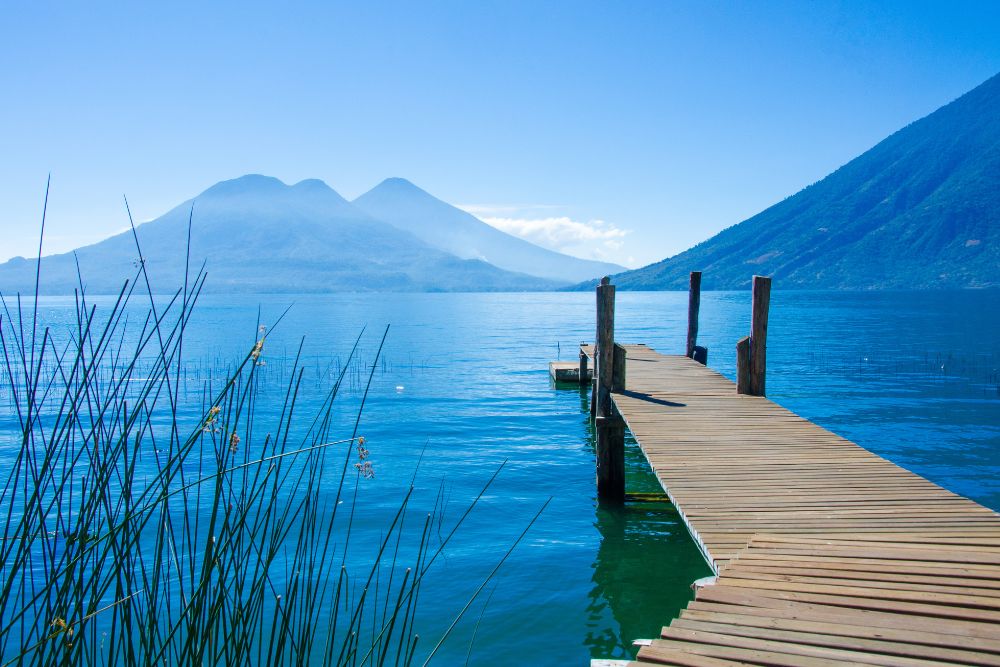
<point x="825" y="552"/>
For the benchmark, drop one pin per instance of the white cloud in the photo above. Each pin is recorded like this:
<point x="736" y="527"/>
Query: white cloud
<point x="481" y="210"/>
<point x="594" y="239"/>
<point x="548" y="226"/>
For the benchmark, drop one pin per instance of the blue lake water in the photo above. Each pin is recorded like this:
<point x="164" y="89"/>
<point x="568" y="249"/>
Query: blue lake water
<point x="463" y="382"/>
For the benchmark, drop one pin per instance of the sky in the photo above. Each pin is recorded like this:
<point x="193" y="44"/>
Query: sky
<point x="625" y="131"/>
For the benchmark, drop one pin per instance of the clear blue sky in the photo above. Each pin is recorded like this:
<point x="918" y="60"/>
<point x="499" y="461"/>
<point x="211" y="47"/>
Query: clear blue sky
<point x="668" y="121"/>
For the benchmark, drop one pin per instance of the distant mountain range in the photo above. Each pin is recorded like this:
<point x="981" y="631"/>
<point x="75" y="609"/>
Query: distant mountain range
<point x="257" y="234"/>
<point x="919" y="210"/>
<point x="404" y="205"/>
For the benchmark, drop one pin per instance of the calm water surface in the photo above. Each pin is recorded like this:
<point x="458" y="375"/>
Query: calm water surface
<point x="463" y="378"/>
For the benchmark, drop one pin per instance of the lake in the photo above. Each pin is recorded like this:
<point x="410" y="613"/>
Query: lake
<point x="462" y="386"/>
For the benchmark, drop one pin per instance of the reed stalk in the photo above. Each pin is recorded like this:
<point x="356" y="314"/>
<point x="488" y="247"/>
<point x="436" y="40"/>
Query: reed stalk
<point x="136" y="534"/>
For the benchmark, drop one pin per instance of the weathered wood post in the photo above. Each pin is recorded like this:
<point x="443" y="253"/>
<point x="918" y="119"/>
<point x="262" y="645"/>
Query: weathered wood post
<point x="700" y="355"/>
<point x="583" y="366"/>
<point x="743" y="365"/>
<point x="608" y="424"/>
<point x="618" y="374"/>
<point x="758" y="334"/>
<point x="604" y="368"/>
<point x="694" y="303"/>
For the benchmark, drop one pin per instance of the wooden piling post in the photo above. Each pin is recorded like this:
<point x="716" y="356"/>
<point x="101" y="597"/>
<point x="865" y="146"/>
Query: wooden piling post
<point x="758" y="334"/>
<point x="609" y="426"/>
<point x="618" y="369"/>
<point x="583" y="366"/>
<point x="610" y="459"/>
<point x="743" y="365"/>
<point x="604" y="367"/>
<point x="694" y="304"/>
<point x="700" y="355"/>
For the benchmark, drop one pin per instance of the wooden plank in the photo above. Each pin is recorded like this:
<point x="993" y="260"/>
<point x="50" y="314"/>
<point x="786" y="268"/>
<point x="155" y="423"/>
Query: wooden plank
<point x="823" y="646"/>
<point x="886" y="575"/>
<point x="775" y="611"/>
<point x="791" y="656"/>
<point x="721" y="592"/>
<point x="839" y="630"/>
<point x="933" y="595"/>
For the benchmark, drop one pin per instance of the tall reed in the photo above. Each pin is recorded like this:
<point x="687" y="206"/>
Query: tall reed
<point x="135" y="535"/>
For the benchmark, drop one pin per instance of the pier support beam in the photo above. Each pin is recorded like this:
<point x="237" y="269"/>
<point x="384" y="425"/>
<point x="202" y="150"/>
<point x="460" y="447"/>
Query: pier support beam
<point x="608" y="423"/>
<point x="583" y="367"/>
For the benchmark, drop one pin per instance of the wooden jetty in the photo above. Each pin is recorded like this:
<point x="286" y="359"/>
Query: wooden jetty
<point x="824" y="552"/>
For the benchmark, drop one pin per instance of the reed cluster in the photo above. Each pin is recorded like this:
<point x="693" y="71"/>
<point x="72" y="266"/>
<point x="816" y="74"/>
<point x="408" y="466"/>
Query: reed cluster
<point x="136" y="532"/>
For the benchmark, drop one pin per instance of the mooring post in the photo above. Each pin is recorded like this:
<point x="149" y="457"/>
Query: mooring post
<point x="743" y="365"/>
<point x="700" y="355"/>
<point x="608" y="424"/>
<point x="694" y="303"/>
<point x="583" y="366"/>
<point x="758" y="334"/>
<point x="604" y="366"/>
<point x="618" y="372"/>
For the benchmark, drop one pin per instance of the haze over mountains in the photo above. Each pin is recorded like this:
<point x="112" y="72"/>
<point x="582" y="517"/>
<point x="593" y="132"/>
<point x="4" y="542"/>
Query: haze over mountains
<point x="919" y="210"/>
<point x="257" y="234"/>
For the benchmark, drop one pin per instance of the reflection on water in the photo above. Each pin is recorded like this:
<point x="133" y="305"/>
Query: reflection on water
<point x="643" y="572"/>
<point x="645" y="563"/>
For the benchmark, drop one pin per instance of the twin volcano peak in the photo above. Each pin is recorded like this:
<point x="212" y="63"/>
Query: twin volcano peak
<point x="256" y="233"/>
<point x="263" y="184"/>
<point x="258" y="185"/>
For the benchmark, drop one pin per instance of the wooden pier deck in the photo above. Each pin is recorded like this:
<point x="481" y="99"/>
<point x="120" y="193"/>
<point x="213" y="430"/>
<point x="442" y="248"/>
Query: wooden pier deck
<point x="826" y="553"/>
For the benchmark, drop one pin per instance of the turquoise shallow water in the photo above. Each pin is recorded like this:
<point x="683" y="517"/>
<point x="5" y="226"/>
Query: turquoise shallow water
<point x="463" y="379"/>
